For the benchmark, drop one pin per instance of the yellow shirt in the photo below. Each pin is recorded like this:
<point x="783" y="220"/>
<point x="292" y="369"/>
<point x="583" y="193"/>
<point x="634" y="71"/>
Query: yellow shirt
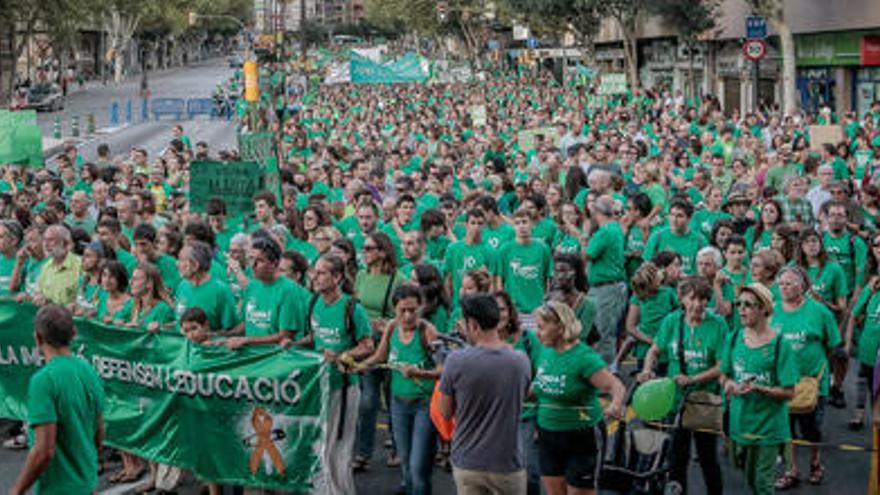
<point x="59" y="283"/>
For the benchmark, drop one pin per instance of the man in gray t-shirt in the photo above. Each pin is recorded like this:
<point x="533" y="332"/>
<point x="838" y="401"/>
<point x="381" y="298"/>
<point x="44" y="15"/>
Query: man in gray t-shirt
<point x="484" y="387"/>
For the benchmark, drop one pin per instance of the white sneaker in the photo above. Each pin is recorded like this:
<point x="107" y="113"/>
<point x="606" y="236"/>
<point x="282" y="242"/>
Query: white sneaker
<point x="18" y="442"/>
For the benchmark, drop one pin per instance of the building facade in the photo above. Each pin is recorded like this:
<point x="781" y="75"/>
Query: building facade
<point x="837" y="46"/>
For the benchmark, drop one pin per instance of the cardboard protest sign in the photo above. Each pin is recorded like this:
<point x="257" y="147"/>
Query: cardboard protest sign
<point x="526" y="139"/>
<point x="825" y="134"/>
<point x="478" y="115"/>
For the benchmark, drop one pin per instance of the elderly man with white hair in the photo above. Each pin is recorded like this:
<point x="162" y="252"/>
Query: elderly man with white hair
<point x="59" y="277"/>
<point x="709" y="264"/>
<point x="821" y="193"/>
<point x="607" y="274"/>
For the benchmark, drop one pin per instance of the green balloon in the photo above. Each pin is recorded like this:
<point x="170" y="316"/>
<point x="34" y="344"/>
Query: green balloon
<point x="654" y="399"/>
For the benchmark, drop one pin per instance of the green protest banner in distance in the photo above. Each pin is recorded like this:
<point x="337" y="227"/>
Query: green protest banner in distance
<point x="234" y="182"/>
<point x="612" y="84"/>
<point x="252" y="417"/>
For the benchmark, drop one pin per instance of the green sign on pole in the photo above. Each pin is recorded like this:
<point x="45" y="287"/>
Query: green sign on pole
<point x="613" y="84"/>
<point x="234" y="182"/>
<point x="252" y="417"/>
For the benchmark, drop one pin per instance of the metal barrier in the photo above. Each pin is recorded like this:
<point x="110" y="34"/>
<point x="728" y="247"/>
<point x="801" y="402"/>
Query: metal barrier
<point x="201" y="106"/>
<point x="179" y="108"/>
<point x="168" y="106"/>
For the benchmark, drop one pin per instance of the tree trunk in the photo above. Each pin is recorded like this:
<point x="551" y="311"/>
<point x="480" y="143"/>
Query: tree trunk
<point x="630" y="56"/>
<point x="692" y="80"/>
<point x="790" y="101"/>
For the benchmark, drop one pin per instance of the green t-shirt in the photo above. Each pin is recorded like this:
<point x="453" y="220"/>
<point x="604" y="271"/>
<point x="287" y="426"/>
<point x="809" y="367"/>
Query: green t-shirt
<point x="328" y="325"/>
<point x="88" y="223"/>
<point x="586" y="314"/>
<point x="496" y="238"/>
<point x="811" y="331"/>
<point x="528" y="344"/>
<point x="7" y="265"/>
<point x="168" y="269"/>
<point x="122" y="314"/>
<point x="545" y="229"/>
<point x="129" y="261"/>
<point x="213" y="296"/>
<point x="161" y="313"/>
<point x="851" y="253"/>
<point x="653" y="309"/>
<point x="462" y="258"/>
<point x="525" y="270"/>
<point x="412" y="353"/>
<point x="304" y="248"/>
<point x="435" y="248"/>
<point x="268" y="309"/>
<point x="868" y="305"/>
<point x="703" y="345"/>
<point x="32" y="269"/>
<point x="605" y="250"/>
<point x="566" y="399"/>
<point x="67" y="392"/>
<point x="703" y="221"/>
<point x="756" y="419"/>
<point x="829" y="281"/>
<point x="372" y="290"/>
<point x="686" y="246"/>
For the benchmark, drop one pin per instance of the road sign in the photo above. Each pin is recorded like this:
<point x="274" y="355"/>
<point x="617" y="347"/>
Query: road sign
<point x="756" y="27"/>
<point x="532" y="43"/>
<point x="755" y="50"/>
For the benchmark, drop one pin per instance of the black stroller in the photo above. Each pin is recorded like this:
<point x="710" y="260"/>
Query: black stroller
<point x="637" y="457"/>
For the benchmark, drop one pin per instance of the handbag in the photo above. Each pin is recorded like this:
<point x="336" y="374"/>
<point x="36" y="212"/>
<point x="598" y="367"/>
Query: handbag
<point x="806" y="394"/>
<point x="701" y="410"/>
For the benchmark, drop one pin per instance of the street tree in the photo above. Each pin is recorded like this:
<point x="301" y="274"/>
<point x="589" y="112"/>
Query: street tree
<point x="774" y="11"/>
<point x="557" y="17"/>
<point x="628" y="14"/>
<point x="691" y="19"/>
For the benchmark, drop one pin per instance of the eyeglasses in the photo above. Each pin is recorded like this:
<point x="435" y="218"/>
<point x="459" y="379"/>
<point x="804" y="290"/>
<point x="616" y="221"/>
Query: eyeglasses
<point x="746" y="304"/>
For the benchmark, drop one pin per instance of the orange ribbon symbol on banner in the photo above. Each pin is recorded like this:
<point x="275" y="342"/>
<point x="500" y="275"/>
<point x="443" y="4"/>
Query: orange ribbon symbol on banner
<point x="262" y="423"/>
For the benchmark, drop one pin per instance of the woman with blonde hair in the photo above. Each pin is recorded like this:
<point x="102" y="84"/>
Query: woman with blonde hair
<point x="569" y="378"/>
<point x="650" y="303"/>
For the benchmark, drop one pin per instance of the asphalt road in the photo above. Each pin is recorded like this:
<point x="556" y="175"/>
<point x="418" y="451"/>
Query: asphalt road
<point x="194" y="81"/>
<point x="847" y="471"/>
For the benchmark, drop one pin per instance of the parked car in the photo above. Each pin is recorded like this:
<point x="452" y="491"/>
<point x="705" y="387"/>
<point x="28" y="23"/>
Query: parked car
<point x="45" y="97"/>
<point x="236" y="62"/>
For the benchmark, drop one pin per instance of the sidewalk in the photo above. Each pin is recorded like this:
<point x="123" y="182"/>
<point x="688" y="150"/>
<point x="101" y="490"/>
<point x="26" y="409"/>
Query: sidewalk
<point x="134" y="76"/>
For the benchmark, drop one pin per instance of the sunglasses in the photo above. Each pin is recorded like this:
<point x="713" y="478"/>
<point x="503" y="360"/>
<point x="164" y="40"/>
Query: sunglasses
<point x="371" y="248"/>
<point x="747" y="304"/>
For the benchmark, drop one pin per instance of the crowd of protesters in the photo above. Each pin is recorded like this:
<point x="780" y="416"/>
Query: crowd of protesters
<point x="639" y="236"/>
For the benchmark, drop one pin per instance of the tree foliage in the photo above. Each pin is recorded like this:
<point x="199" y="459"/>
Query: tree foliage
<point x="556" y="17"/>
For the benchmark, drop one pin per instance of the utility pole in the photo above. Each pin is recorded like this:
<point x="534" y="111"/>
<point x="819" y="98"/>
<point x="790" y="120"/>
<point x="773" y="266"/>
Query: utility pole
<point x="302" y="31"/>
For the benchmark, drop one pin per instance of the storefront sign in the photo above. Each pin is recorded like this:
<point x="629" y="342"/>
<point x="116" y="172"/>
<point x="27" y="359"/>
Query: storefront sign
<point x="870" y="50"/>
